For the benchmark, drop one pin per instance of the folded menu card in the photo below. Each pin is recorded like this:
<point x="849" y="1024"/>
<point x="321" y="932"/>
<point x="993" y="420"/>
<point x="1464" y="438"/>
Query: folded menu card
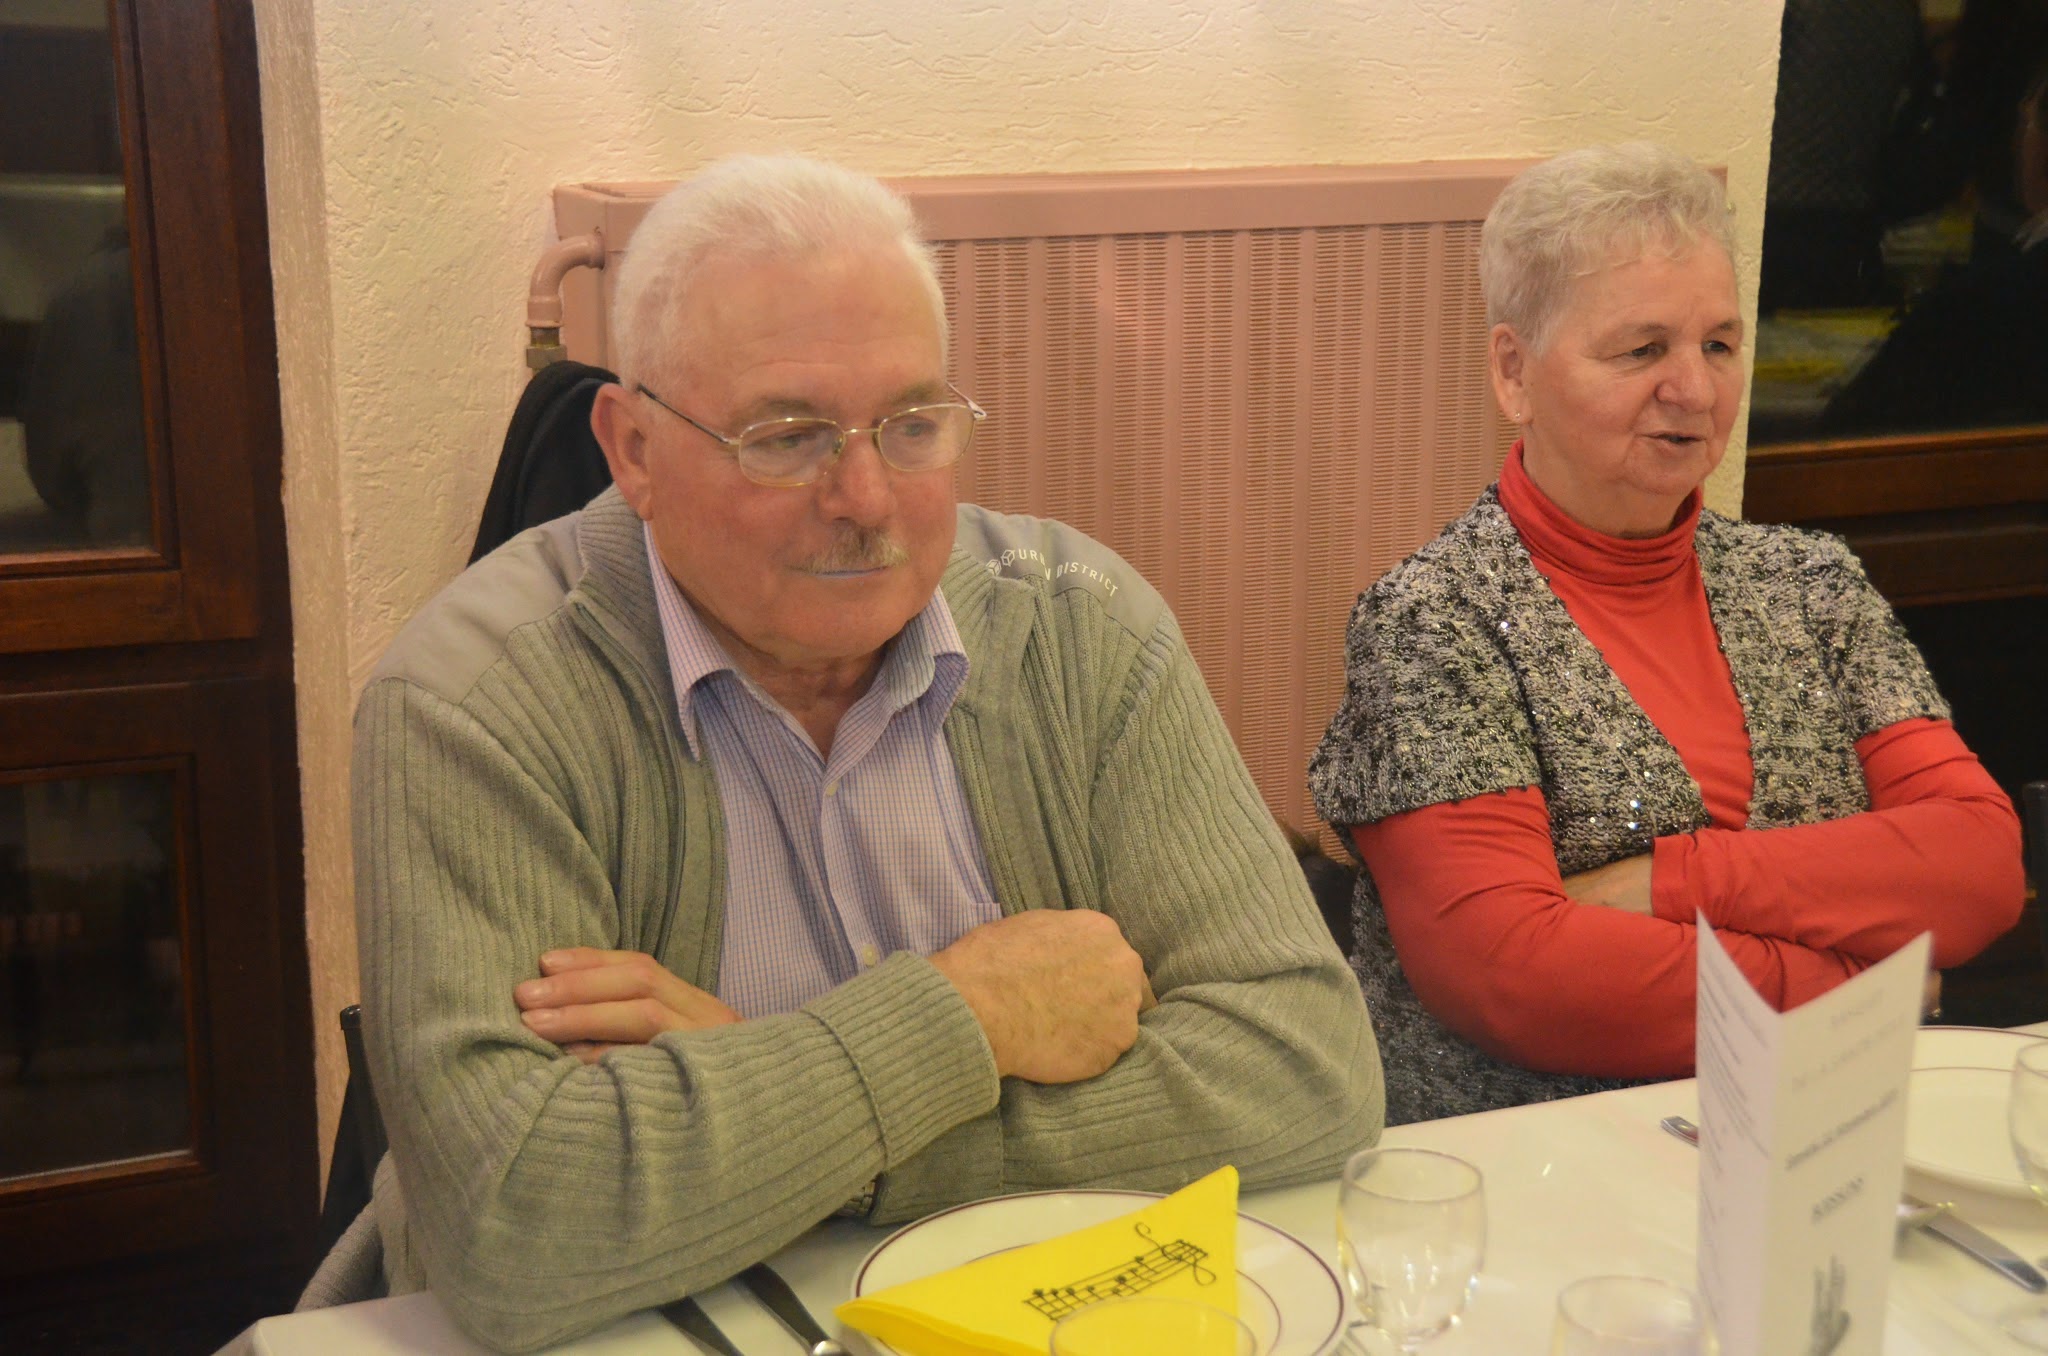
<point x="1802" y="1154"/>
<point x="1007" y="1302"/>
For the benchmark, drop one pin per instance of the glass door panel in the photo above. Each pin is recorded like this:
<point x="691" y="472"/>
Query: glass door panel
<point x="156" y="1093"/>
<point x="94" y="1061"/>
<point x="74" y="454"/>
<point x="155" y="1067"/>
<point x="1905" y="248"/>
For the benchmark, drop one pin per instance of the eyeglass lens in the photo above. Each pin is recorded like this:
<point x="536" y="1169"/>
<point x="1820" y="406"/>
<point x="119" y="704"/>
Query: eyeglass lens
<point x="790" y="451"/>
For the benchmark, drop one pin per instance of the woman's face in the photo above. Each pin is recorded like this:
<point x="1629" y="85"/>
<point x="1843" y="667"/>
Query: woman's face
<point x="1629" y="404"/>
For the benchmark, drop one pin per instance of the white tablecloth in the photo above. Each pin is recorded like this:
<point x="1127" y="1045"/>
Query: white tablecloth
<point x="1573" y="1188"/>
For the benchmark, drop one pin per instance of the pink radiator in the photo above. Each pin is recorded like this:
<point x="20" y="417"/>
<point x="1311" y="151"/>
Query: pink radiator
<point x="1263" y="387"/>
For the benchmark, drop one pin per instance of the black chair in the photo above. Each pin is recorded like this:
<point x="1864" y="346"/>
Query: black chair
<point x="2034" y="832"/>
<point x="359" y="1141"/>
<point x="550" y="463"/>
<point x="1331" y="882"/>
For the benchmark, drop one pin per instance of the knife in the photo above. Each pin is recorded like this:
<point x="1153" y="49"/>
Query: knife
<point x="773" y="1291"/>
<point x="1984" y="1248"/>
<point x="1933" y="1219"/>
<point x="688" y="1315"/>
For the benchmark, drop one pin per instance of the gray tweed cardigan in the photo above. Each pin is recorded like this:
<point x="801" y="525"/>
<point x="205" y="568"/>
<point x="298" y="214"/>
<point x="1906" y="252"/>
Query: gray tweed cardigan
<point x="1466" y="675"/>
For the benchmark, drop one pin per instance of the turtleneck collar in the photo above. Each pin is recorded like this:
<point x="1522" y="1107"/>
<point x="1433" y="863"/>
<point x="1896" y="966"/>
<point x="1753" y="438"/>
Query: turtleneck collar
<point x="1558" y="542"/>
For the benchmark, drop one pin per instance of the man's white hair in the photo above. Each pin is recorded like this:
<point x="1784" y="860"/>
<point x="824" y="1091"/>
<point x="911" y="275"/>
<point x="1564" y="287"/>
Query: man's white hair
<point x="748" y="207"/>
<point x="1584" y="211"/>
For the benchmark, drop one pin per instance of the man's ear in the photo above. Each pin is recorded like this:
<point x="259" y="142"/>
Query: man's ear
<point x="1507" y="361"/>
<point x="616" y="424"/>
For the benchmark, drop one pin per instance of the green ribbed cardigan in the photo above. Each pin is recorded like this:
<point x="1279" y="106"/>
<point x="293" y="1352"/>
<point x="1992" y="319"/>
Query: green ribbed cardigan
<point x="521" y="783"/>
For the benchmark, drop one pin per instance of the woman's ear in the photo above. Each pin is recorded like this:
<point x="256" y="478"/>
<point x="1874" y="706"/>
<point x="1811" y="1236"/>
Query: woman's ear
<point x="616" y="425"/>
<point x="1507" y="361"/>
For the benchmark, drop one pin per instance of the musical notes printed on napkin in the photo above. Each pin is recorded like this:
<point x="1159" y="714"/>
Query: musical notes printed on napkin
<point x="1140" y="1274"/>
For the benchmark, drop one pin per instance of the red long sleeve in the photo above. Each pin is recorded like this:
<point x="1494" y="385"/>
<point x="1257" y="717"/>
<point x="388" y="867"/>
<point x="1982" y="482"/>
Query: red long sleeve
<point x="1496" y="950"/>
<point x="1938" y="851"/>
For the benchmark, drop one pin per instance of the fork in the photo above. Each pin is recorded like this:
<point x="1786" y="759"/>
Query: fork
<point x="689" y="1315"/>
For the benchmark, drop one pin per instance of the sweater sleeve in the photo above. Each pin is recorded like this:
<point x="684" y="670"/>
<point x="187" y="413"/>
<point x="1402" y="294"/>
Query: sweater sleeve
<point x="1871" y="664"/>
<point x="542" y="1196"/>
<point x="1938" y="851"/>
<point x="1431" y="711"/>
<point x="1260" y="1052"/>
<point x="1497" y="951"/>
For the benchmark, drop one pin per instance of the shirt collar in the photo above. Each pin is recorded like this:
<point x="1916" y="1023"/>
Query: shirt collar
<point x="925" y="657"/>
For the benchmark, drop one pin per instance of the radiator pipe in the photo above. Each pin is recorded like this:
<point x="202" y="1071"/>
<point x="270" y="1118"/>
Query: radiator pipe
<point x="544" y="294"/>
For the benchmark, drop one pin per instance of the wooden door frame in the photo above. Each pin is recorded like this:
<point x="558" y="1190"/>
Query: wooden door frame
<point x="200" y="254"/>
<point x="186" y="654"/>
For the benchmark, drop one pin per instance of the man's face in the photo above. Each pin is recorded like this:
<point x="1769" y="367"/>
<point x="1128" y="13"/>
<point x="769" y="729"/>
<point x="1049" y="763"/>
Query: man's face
<point x="819" y="575"/>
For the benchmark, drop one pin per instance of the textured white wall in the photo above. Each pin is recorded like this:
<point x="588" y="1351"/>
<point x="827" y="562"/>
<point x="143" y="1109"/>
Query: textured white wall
<point x="411" y="148"/>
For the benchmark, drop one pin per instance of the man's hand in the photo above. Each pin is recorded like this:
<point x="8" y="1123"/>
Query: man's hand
<point x="588" y="1001"/>
<point x="1623" y="885"/>
<point x="1057" y="992"/>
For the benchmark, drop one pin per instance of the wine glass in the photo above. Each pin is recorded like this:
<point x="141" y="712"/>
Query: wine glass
<point x="1411" y="1233"/>
<point x="1118" y="1327"/>
<point x="1628" y="1316"/>
<point x="2027" y="1117"/>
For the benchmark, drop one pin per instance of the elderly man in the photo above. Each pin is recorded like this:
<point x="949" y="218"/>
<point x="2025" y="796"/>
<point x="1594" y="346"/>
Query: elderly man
<point x="778" y="837"/>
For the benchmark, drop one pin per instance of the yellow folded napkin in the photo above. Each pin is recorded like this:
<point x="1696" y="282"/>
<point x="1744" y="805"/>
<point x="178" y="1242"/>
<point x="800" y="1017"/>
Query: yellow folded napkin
<point x="1006" y="1304"/>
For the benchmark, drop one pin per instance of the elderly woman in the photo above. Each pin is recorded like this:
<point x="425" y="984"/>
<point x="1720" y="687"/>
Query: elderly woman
<point x="1590" y="710"/>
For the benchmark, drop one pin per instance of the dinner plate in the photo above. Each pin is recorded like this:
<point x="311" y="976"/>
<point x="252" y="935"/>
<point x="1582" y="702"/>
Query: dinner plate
<point x="1955" y="1108"/>
<point x="1968" y="1047"/>
<point x="1286" y="1294"/>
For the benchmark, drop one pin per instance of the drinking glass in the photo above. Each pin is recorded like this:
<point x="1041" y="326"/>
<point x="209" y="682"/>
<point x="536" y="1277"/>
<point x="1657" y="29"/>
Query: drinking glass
<point x="1628" y="1316"/>
<point x="1120" y="1327"/>
<point x="1411" y="1233"/>
<point x="2027" y="1117"/>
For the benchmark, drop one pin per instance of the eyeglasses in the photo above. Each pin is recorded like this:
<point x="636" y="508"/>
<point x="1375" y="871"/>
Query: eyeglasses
<point x="791" y="452"/>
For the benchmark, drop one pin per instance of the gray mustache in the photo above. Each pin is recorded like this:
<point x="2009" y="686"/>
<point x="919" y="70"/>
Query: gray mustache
<point x="858" y="548"/>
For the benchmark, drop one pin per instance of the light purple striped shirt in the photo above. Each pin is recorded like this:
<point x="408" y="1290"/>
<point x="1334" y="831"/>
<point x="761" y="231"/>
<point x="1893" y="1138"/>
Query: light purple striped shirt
<point x="831" y="865"/>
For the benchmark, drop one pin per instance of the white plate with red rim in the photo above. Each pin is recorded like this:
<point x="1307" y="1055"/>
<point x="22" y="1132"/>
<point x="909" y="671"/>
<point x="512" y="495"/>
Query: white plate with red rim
<point x="1286" y="1294"/>
<point x="1956" y="1106"/>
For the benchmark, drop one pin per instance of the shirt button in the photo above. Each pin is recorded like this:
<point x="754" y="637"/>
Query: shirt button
<point x="831" y="788"/>
<point x="869" y="955"/>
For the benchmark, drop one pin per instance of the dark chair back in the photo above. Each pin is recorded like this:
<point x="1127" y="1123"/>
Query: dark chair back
<point x="1332" y="883"/>
<point x="359" y="1141"/>
<point x="2034" y="829"/>
<point x="550" y="464"/>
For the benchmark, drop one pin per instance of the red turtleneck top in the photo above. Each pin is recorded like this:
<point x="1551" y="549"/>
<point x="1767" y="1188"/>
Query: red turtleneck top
<point x="1497" y="950"/>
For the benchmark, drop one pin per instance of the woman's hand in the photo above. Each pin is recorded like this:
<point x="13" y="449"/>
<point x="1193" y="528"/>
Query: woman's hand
<point x="1623" y="884"/>
<point x="588" y="1001"/>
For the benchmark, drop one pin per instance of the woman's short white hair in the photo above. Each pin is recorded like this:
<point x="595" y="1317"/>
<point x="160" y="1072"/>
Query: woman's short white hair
<point x="1583" y="211"/>
<point x="748" y="206"/>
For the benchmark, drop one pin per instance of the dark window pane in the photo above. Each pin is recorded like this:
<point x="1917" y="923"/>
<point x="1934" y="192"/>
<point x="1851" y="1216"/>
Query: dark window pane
<point x="92" y="989"/>
<point x="1905" y="260"/>
<point x="73" y="455"/>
